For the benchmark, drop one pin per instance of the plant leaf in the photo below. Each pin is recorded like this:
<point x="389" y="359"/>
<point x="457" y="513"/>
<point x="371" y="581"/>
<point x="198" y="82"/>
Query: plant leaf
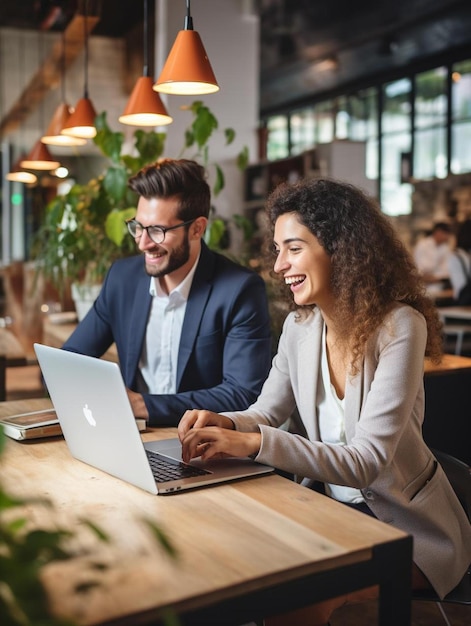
<point x="161" y="537"/>
<point x="109" y="142"/>
<point x="242" y="159"/>
<point x="230" y="135"/>
<point x="214" y="233"/>
<point x="115" y="183"/>
<point x="115" y="226"/>
<point x="150" y="145"/>
<point x="204" y="123"/>
<point x="220" y="181"/>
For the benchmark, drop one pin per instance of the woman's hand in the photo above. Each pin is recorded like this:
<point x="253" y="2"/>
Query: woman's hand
<point x="213" y="442"/>
<point x="199" y="419"/>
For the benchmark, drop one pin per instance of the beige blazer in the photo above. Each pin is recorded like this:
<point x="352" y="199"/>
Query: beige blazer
<point x="385" y="455"/>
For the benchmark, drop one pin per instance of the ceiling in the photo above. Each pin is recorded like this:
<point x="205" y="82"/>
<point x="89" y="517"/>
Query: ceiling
<point x="54" y="15"/>
<point x="362" y="37"/>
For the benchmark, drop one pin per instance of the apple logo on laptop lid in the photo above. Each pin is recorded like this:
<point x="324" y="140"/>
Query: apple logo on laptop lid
<point x="89" y="415"/>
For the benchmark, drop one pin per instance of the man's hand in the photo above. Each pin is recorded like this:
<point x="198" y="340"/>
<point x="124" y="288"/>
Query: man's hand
<point x="137" y="404"/>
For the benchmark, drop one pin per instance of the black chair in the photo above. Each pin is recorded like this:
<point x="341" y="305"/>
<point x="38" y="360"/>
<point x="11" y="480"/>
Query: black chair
<point x="459" y="475"/>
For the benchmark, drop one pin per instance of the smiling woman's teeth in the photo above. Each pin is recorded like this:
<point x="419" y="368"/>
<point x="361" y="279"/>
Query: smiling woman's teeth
<point x="291" y="280"/>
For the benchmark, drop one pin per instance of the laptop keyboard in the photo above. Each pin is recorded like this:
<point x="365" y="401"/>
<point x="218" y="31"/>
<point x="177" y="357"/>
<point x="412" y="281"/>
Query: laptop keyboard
<point x="163" y="468"/>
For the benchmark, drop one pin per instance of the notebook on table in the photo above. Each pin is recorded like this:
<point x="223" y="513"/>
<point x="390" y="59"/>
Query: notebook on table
<point x="99" y="427"/>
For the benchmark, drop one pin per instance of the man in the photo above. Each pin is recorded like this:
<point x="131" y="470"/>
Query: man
<point x="431" y="255"/>
<point x="191" y="327"/>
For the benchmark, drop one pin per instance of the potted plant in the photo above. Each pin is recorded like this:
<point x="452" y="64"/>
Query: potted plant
<point x="83" y="231"/>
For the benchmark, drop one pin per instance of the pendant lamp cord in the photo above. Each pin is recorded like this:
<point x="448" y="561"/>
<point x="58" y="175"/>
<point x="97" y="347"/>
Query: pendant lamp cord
<point x="63" y="67"/>
<point x="85" y="34"/>
<point x="146" y="41"/>
<point x="188" y="19"/>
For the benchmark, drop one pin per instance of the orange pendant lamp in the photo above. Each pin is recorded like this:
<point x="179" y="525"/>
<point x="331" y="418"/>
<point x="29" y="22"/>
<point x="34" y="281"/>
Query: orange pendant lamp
<point x="144" y="107"/>
<point x="82" y="121"/>
<point x="39" y="158"/>
<point x="187" y="70"/>
<point x="53" y="135"/>
<point x="19" y="175"/>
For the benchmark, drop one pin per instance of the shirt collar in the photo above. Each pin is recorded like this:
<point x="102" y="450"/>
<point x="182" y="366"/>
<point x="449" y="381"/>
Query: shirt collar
<point x="183" y="288"/>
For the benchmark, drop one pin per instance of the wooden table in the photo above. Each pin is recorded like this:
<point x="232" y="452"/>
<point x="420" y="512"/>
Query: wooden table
<point x="12" y="354"/>
<point x="455" y="312"/>
<point x="449" y="363"/>
<point x="246" y="549"/>
<point x="451" y="316"/>
<point x="447" y="406"/>
<point x="56" y="335"/>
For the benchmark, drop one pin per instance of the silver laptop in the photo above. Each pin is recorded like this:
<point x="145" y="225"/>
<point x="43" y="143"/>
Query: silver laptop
<point x="99" y="427"/>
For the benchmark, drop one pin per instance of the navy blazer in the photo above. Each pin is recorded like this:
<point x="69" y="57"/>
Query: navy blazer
<point x="225" y="346"/>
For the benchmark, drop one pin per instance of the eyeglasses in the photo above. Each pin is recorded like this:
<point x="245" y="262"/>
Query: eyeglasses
<point x="156" y="233"/>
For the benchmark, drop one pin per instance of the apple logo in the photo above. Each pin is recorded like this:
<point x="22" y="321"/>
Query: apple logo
<point x="89" y="415"/>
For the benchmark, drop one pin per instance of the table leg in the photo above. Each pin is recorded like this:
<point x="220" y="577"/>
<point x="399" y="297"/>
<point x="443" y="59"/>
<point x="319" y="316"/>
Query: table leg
<point x="395" y="583"/>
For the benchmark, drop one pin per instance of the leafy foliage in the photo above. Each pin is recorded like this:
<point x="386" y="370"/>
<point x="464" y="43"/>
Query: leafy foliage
<point x="198" y="135"/>
<point x="23" y="554"/>
<point x="84" y="231"/>
<point x="25" y="551"/>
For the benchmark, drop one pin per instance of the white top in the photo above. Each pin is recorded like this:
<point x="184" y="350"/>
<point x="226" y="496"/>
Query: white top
<point x="330" y="411"/>
<point x="431" y="258"/>
<point x="457" y="275"/>
<point x="159" y="358"/>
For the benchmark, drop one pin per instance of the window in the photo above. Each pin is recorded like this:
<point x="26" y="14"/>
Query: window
<point x="303" y="130"/>
<point x="324" y="114"/>
<point x="278" y="138"/>
<point x="430" y="115"/>
<point x="396" y="141"/>
<point x="411" y="139"/>
<point x="461" y="118"/>
<point x="363" y="126"/>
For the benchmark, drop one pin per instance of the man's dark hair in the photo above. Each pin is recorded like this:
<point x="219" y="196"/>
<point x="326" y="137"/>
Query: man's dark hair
<point x="175" y="178"/>
<point x="443" y="226"/>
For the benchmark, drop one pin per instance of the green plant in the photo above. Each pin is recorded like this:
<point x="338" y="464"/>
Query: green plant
<point x="197" y="143"/>
<point x="83" y="231"/>
<point x="197" y="136"/>
<point x="24" y="552"/>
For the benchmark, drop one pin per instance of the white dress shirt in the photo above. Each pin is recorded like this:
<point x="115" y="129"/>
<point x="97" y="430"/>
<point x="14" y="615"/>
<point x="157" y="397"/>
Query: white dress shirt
<point x="159" y="358"/>
<point x="458" y="273"/>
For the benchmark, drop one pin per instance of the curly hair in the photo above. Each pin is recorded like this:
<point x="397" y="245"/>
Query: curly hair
<point x="371" y="268"/>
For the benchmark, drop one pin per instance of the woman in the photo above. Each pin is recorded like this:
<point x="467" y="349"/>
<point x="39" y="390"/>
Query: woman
<point x="459" y="263"/>
<point x="350" y="359"/>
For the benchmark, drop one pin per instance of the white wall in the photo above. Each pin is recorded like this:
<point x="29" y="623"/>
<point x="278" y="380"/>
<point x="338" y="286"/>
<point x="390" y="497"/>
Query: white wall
<point x="229" y="32"/>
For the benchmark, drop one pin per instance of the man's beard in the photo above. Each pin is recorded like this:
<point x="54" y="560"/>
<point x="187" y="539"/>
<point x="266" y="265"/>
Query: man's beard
<point x="175" y="259"/>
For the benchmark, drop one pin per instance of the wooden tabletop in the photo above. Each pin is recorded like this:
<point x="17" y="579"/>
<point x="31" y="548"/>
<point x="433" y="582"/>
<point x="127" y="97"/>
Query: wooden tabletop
<point x="449" y="363"/>
<point x="11" y="348"/>
<point x="457" y="312"/>
<point x="244" y="548"/>
<point x="55" y="335"/>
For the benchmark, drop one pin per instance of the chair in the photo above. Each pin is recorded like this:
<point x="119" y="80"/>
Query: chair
<point x="458" y="331"/>
<point x="459" y="475"/>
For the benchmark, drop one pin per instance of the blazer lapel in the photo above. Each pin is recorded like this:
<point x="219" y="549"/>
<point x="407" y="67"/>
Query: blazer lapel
<point x="196" y="305"/>
<point x="136" y="332"/>
<point x="309" y="350"/>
